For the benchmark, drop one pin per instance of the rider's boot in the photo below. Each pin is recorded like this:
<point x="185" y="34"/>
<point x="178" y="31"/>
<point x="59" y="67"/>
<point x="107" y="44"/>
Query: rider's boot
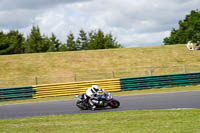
<point x="93" y="107"/>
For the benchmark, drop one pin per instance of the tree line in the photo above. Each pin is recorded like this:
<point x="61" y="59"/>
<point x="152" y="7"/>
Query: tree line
<point x="189" y="29"/>
<point x="14" y="42"/>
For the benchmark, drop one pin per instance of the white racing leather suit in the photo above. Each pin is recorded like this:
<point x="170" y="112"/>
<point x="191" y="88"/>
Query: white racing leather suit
<point x="91" y="93"/>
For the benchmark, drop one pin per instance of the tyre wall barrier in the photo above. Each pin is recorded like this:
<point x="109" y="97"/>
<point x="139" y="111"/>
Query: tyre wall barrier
<point x="160" y="81"/>
<point x="16" y="93"/>
<point x="74" y="88"/>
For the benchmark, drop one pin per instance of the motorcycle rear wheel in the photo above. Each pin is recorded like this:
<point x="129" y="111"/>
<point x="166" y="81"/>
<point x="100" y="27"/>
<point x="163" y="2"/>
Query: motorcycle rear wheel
<point x="81" y="105"/>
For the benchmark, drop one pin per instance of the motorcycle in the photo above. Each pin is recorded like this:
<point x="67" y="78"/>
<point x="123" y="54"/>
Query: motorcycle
<point x="105" y="100"/>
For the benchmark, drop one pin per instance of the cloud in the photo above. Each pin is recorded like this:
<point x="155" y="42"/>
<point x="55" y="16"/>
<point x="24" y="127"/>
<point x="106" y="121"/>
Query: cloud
<point x="22" y="13"/>
<point x="136" y="20"/>
<point x="142" y="16"/>
<point x="33" y="4"/>
<point x="132" y="22"/>
<point x="16" y="19"/>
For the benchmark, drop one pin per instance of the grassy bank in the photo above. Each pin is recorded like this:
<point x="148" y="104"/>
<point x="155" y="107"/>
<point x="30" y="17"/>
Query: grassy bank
<point x="156" y="121"/>
<point x="20" y="70"/>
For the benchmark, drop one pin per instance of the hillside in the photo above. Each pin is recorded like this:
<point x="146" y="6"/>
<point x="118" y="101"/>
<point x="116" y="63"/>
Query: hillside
<point x="19" y="70"/>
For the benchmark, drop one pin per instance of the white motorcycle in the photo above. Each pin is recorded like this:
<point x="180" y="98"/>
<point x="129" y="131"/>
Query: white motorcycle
<point x="106" y="98"/>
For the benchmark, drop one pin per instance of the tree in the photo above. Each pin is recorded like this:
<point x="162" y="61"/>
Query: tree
<point x="82" y="41"/>
<point x="12" y="42"/>
<point x="55" y="43"/>
<point x="189" y="29"/>
<point x="96" y="39"/>
<point x="71" y="44"/>
<point x="33" y="41"/>
<point x="36" y="43"/>
<point x="111" y="42"/>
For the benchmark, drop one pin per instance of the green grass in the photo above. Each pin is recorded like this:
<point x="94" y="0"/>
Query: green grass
<point x="58" y="67"/>
<point x="133" y="92"/>
<point x="139" y="121"/>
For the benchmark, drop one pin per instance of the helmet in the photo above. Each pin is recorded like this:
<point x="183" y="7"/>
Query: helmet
<point x="95" y="88"/>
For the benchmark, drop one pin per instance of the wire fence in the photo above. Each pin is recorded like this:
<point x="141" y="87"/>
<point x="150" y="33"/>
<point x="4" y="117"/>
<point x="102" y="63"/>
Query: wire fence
<point x="94" y="75"/>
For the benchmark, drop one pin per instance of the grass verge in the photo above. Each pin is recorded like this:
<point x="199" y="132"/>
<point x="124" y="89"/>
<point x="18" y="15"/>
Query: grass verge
<point x="133" y="92"/>
<point x="139" y="121"/>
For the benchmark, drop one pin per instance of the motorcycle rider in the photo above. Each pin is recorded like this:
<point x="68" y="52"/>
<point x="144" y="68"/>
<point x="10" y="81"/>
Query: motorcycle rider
<point x="92" y="94"/>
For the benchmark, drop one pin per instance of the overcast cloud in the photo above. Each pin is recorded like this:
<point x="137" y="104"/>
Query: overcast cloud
<point x="132" y="22"/>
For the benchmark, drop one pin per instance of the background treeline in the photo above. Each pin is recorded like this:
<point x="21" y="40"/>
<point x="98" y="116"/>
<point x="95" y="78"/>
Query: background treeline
<point x="189" y="29"/>
<point x="14" y="42"/>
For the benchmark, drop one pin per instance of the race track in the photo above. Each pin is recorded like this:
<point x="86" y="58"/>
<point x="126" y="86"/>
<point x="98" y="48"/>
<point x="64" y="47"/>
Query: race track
<point x="129" y="102"/>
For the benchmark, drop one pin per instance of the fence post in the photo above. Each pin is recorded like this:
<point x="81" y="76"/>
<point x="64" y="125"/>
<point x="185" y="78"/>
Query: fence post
<point x="113" y="74"/>
<point x="150" y="72"/>
<point x="75" y="77"/>
<point x="184" y="69"/>
<point x="36" y="80"/>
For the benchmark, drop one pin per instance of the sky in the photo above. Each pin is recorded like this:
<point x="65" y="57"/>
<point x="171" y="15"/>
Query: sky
<point x="133" y="22"/>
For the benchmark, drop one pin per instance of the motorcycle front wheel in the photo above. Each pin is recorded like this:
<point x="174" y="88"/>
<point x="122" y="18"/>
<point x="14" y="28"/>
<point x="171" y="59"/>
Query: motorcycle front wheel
<point x="114" y="104"/>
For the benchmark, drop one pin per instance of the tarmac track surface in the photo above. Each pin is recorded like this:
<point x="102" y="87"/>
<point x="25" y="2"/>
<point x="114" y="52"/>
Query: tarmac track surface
<point x="129" y="102"/>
